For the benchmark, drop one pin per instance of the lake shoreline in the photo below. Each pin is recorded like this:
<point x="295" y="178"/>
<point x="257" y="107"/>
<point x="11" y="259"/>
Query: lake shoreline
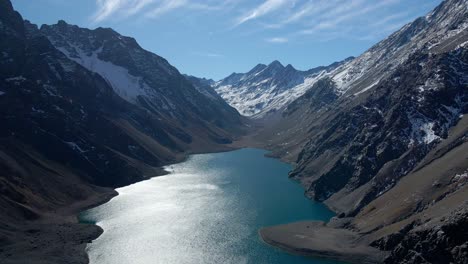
<point x="61" y="235"/>
<point x="316" y="239"/>
<point x="280" y="185"/>
<point x="265" y="235"/>
<point x="283" y="239"/>
<point x="113" y="193"/>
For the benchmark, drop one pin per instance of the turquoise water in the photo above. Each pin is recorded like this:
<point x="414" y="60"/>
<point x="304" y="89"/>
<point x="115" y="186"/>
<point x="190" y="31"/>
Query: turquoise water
<point x="208" y="210"/>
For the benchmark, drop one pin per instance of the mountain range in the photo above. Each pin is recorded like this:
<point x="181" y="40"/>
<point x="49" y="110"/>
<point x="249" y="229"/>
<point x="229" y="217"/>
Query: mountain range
<point x="84" y="110"/>
<point x="268" y="89"/>
<point x="381" y="139"/>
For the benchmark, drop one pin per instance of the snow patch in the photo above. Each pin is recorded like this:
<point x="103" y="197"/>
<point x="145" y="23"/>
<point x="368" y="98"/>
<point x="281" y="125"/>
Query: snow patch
<point x="255" y="97"/>
<point x="429" y="134"/>
<point x="124" y="84"/>
<point x="368" y="87"/>
<point x="422" y="130"/>
<point x="36" y="110"/>
<point x="16" y="80"/>
<point x="75" y="146"/>
<point x="461" y="176"/>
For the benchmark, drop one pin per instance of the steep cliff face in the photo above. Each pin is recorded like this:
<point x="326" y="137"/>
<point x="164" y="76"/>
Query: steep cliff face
<point x="446" y="243"/>
<point x="138" y="76"/>
<point x="82" y="110"/>
<point x="349" y="133"/>
<point x="365" y="137"/>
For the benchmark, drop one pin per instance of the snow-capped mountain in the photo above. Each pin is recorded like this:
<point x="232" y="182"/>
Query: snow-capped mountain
<point x="431" y="33"/>
<point x="404" y="94"/>
<point x="82" y="110"/>
<point x="379" y="139"/>
<point x="138" y="76"/>
<point x="268" y="88"/>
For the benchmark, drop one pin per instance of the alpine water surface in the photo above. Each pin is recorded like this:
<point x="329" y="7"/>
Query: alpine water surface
<point x="208" y="210"/>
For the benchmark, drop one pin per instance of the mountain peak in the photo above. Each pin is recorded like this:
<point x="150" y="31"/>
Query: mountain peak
<point x="276" y="64"/>
<point x="62" y="23"/>
<point x="6" y="6"/>
<point x="290" y="67"/>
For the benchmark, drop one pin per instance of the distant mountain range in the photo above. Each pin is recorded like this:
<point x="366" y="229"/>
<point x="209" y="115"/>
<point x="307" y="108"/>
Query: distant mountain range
<point x="382" y="139"/>
<point x="267" y="89"/>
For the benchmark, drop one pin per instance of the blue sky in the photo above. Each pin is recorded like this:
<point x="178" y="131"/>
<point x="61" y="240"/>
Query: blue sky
<point x="213" y="38"/>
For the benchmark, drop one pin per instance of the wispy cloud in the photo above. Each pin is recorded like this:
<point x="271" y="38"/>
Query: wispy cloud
<point x="290" y="19"/>
<point x="165" y="7"/>
<point x="107" y="9"/>
<point x="277" y="40"/>
<point x="208" y="54"/>
<point x="326" y="19"/>
<point x="138" y="6"/>
<point x="267" y="7"/>
<point x="355" y="9"/>
<point x="309" y="9"/>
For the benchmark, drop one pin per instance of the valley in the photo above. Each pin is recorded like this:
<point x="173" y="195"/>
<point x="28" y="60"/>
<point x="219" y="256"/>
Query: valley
<point x="210" y="207"/>
<point x="380" y="139"/>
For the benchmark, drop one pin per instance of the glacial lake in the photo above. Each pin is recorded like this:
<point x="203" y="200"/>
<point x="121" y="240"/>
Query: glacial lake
<point x="208" y="210"/>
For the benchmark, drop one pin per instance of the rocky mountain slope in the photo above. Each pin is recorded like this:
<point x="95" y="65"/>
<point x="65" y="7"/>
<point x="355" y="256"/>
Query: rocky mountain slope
<point x="138" y="76"/>
<point x="267" y="89"/>
<point x="382" y="139"/>
<point x="83" y="110"/>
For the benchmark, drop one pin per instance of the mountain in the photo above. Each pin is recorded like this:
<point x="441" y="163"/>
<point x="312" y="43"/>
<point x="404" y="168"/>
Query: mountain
<point x="382" y="140"/>
<point x="84" y="110"/>
<point x="267" y="89"/>
<point x="204" y="86"/>
<point x="138" y="76"/>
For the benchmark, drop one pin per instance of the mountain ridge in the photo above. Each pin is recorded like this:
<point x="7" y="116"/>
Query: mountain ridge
<point x="267" y="89"/>
<point x="381" y="139"/>
<point x="376" y="124"/>
<point x="71" y="132"/>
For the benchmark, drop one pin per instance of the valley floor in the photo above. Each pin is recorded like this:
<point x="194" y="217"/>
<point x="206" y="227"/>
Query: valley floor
<point x="57" y="237"/>
<point x="312" y="238"/>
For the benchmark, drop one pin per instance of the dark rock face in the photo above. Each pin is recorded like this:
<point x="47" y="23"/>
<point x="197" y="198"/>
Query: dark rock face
<point x="69" y="129"/>
<point x="320" y="95"/>
<point x="379" y="118"/>
<point x="447" y="243"/>
<point x="74" y="116"/>
<point x="139" y="76"/>
<point x="391" y="125"/>
<point x="353" y="131"/>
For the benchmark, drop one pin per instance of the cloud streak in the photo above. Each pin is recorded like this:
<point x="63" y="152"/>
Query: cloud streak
<point x="290" y="19"/>
<point x="112" y="9"/>
<point x="165" y="6"/>
<point x="267" y="7"/>
<point x="106" y="8"/>
<point x="208" y="54"/>
<point x="277" y="40"/>
<point x="336" y="19"/>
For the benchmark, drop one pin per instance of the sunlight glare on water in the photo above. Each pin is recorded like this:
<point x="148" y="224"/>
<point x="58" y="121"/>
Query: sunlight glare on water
<point x="208" y="210"/>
